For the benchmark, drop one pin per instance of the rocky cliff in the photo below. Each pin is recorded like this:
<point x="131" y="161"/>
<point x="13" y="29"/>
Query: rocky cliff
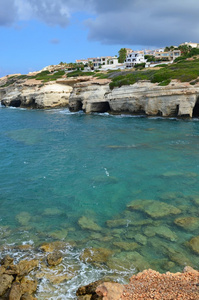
<point x="94" y="95"/>
<point x="144" y="97"/>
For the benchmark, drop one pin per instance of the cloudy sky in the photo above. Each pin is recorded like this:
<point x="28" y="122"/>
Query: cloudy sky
<point x="37" y="33"/>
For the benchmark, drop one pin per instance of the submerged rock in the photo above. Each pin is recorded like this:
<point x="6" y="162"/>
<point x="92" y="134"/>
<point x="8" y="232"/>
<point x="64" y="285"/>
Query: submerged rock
<point x="23" y="218"/>
<point x="187" y="223"/>
<point x="96" y="255"/>
<point x="155" y="209"/>
<point x="126" y="246"/>
<point x="127" y="260"/>
<point x="52" y="211"/>
<point x="88" y="224"/>
<point x="58" y="234"/>
<point x="194" y="244"/>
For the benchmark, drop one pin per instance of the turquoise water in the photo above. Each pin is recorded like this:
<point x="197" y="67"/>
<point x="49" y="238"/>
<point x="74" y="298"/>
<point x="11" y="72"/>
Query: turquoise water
<point x="57" y="167"/>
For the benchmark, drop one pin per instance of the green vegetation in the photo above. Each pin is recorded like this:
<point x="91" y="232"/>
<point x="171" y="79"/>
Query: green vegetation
<point x="79" y="73"/>
<point x="122" y="55"/>
<point x="150" y="58"/>
<point x="185" y="71"/>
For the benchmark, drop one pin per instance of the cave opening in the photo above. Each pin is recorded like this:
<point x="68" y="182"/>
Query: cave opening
<point x="15" y="103"/>
<point x="100" y="107"/>
<point x="196" y="109"/>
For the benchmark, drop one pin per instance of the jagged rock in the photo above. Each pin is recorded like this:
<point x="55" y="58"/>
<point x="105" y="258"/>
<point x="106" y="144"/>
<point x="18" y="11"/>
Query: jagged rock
<point x="54" y="258"/>
<point x="28" y="286"/>
<point x="88" y="223"/>
<point x="89" y="289"/>
<point x="27" y="296"/>
<point x="24" y="266"/>
<point x="188" y="223"/>
<point x="15" y="292"/>
<point x="23" y="218"/>
<point x="155" y="209"/>
<point x="116" y="223"/>
<point x="95" y="255"/>
<point x="5" y="283"/>
<point x="7" y="261"/>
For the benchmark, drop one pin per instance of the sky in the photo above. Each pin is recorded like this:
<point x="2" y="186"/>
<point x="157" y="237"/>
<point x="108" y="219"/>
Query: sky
<point x="38" y="33"/>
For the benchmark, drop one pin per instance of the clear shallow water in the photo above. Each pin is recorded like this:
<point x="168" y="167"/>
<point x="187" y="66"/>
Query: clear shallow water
<point x="57" y="167"/>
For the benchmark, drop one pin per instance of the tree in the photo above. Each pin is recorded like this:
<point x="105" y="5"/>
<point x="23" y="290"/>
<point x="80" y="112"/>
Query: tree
<point x="122" y="55"/>
<point x="150" y="57"/>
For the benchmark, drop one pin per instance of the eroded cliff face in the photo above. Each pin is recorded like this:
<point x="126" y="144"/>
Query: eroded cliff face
<point x="34" y="94"/>
<point x="94" y="95"/>
<point x="144" y="97"/>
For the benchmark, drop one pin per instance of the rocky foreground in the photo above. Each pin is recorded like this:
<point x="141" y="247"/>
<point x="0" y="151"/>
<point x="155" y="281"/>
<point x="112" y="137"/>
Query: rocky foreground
<point x="19" y="281"/>
<point x="148" y="285"/>
<point x="90" y="94"/>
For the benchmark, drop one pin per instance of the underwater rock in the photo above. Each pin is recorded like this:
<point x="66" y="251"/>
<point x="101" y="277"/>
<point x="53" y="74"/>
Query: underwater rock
<point x="52" y="211"/>
<point x="126" y="246"/>
<point x="127" y="260"/>
<point x="23" y="218"/>
<point x="54" y="278"/>
<point x="188" y="223"/>
<point x="95" y="255"/>
<point x="88" y="224"/>
<point x="162" y="231"/>
<point x="194" y="244"/>
<point x="106" y="179"/>
<point x="116" y="223"/>
<point x="58" y="234"/>
<point x="155" y="209"/>
<point x="57" y="245"/>
<point x="141" y="239"/>
<point x="54" y="258"/>
<point x="88" y="290"/>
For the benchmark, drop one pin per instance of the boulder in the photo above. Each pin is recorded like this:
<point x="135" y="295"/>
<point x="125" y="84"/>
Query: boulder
<point x="5" y="283"/>
<point x="28" y="286"/>
<point x="24" y="266"/>
<point x="126" y="246"/>
<point x="7" y="261"/>
<point x="54" y="258"/>
<point x="50" y="247"/>
<point x="15" y="292"/>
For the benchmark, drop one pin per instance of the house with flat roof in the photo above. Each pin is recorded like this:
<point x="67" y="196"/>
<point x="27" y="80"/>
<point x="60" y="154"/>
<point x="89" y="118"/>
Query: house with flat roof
<point x="134" y="58"/>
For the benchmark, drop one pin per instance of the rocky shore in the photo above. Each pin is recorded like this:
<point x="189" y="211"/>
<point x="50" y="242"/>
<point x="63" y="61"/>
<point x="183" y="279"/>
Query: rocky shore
<point x="20" y="281"/>
<point x="94" y="95"/>
<point x="149" y="285"/>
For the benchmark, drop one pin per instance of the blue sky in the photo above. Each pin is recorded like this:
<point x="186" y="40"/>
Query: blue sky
<point x="37" y="33"/>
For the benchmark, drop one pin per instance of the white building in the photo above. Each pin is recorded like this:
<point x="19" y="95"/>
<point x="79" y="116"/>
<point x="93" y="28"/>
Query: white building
<point x="135" y="58"/>
<point x="193" y="45"/>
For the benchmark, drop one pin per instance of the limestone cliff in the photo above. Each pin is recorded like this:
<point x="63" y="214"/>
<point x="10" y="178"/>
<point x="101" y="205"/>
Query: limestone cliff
<point x="144" y="97"/>
<point x="94" y="95"/>
<point x="34" y="94"/>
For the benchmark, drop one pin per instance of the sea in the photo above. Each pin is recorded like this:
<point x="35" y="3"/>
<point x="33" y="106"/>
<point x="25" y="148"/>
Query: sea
<point x="120" y="191"/>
